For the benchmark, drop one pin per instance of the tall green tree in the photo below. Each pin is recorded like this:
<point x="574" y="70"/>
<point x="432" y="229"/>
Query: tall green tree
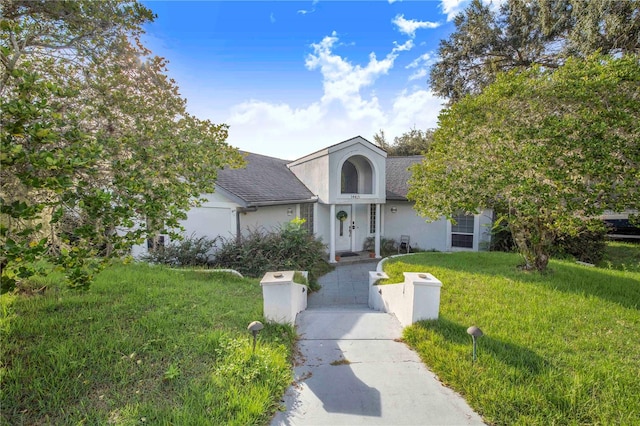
<point x="97" y="150"/>
<point x="525" y="33"/>
<point x="548" y="148"/>
<point x="413" y="142"/>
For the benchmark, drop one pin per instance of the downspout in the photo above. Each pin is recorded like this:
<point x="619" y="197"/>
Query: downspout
<point x="238" y="227"/>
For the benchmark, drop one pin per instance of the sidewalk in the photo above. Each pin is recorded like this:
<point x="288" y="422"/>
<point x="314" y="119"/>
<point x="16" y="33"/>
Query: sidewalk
<point x="352" y="369"/>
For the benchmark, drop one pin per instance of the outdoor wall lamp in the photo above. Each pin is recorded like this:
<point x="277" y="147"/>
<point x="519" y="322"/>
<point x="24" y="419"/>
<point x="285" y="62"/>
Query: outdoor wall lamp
<point x="394" y="209"/>
<point x="254" y="328"/>
<point x="474" y="332"/>
<point x="289" y="211"/>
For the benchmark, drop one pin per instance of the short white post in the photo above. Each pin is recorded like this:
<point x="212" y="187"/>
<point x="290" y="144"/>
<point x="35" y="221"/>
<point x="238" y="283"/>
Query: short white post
<point x="426" y="296"/>
<point x="282" y="298"/>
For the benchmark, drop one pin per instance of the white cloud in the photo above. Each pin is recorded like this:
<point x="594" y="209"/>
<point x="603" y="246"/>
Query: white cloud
<point x="272" y="18"/>
<point x="422" y="63"/>
<point x="451" y="8"/>
<point x="348" y="107"/>
<point x="393" y="1"/>
<point x="313" y="8"/>
<point x="407" y="45"/>
<point x="344" y="81"/>
<point x="420" y="60"/>
<point x="417" y="75"/>
<point x="409" y="27"/>
<point x="417" y="108"/>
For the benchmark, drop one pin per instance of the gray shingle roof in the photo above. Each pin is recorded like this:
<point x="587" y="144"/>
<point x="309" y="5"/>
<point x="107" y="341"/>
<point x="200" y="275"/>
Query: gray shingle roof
<point x="263" y="180"/>
<point x="398" y="175"/>
<point x="268" y="180"/>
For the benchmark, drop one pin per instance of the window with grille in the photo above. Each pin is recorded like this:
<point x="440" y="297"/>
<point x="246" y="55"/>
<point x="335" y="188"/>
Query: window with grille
<point x="306" y="213"/>
<point x="372" y="218"/>
<point x="462" y="231"/>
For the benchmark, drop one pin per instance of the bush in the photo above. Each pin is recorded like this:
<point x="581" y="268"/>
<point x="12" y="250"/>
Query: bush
<point x="289" y="248"/>
<point x="588" y="244"/>
<point x="388" y="246"/>
<point x="191" y="251"/>
<point x="502" y="240"/>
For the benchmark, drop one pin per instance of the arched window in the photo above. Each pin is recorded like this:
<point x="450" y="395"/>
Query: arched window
<point x="356" y="176"/>
<point x="349" y="178"/>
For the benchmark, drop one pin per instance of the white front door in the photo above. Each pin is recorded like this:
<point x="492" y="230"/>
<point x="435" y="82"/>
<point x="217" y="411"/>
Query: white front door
<point x="343" y="228"/>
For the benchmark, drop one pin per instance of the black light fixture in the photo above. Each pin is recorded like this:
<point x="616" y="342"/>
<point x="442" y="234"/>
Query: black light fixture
<point x="474" y="332"/>
<point x="254" y="328"/>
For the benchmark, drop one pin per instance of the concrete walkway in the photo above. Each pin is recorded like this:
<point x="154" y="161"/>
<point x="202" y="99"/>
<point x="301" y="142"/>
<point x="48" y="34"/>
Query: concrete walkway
<point x="353" y="370"/>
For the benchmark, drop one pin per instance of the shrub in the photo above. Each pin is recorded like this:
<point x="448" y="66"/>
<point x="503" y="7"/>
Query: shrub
<point x="388" y="246"/>
<point x="289" y="248"/>
<point x="502" y="240"/>
<point x="191" y="251"/>
<point x="587" y="244"/>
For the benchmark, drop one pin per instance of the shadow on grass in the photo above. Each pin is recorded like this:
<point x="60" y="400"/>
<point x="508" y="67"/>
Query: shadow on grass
<point x="508" y="353"/>
<point x="597" y="282"/>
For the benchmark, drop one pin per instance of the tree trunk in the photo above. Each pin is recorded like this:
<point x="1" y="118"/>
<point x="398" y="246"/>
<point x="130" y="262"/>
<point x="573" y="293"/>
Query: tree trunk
<point x="534" y="240"/>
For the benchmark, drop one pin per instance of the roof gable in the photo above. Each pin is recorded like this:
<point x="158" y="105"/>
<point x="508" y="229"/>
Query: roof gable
<point x="337" y="147"/>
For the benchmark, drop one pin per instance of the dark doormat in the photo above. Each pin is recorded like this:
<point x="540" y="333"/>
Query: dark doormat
<point x="347" y="254"/>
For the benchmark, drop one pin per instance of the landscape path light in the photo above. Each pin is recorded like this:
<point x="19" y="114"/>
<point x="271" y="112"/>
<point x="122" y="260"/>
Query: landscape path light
<point x="254" y="328"/>
<point x="475" y="332"/>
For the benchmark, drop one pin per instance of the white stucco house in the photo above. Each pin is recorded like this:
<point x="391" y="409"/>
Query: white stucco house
<point x="354" y="180"/>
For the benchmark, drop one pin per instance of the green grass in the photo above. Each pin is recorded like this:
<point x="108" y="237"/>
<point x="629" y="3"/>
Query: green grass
<point x="559" y="348"/>
<point x="145" y="345"/>
<point x="623" y="256"/>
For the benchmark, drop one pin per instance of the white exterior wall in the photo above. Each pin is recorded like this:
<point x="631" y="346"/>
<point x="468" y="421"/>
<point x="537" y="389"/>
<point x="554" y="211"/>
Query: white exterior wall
<point x="267" y="218"/>
<point x="426" y="236"/>
<point x="216" y="217"/>
<point x="322" y="223"/>
<point x="485" y="219"/>
<point x="378" y="165"/>
<point x="314" y="173"/>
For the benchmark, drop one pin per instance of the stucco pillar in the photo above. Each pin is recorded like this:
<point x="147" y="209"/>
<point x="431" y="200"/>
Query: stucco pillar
<point x="332" y="233"/>
<point x="377" y="237"/>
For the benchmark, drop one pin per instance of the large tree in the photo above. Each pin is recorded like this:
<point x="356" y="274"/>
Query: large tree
<point x="413" y="142"/>
<point x="550" y="148"/>
<point x="97" y="149"/>
<point x="526" y="33"/>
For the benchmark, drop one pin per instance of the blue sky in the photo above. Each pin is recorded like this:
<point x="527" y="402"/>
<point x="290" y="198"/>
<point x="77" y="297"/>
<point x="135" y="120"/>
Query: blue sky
<point x="293" y="77"/>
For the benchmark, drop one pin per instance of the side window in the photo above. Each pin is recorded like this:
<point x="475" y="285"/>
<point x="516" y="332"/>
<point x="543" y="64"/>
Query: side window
<point x="462" y="231"/>
<point x="306" y="213"/>
<point x="372" y="218"/>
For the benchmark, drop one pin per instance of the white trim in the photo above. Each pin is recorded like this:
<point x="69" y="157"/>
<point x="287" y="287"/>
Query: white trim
<point x="374" y="179"/>
<point x="377" y="237"/>
<point x="332" y="233"/>
<point x="352" y="230"/>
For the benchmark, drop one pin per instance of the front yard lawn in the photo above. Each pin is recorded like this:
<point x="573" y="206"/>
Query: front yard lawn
<point x="145" y="345"/>
<point x="559" y="348"/>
